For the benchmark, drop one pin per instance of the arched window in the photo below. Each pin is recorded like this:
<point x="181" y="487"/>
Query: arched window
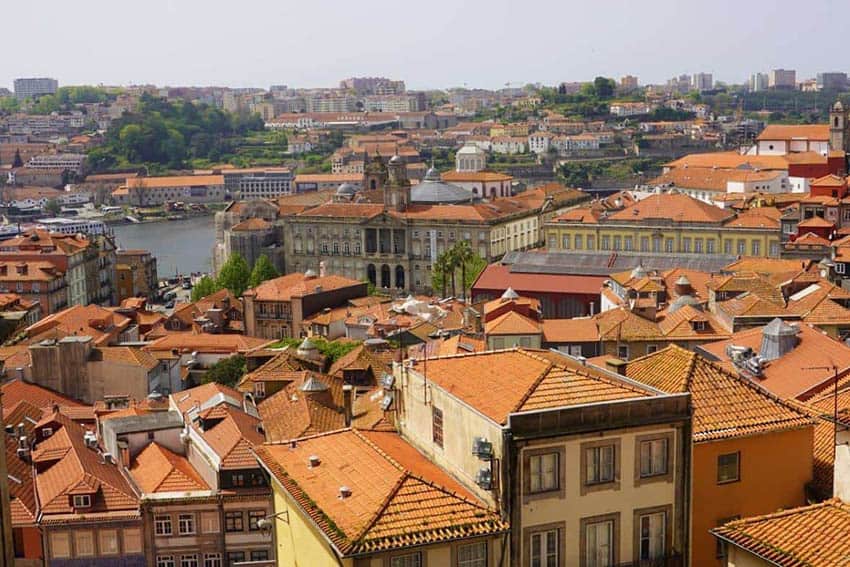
<point x="371" y="274"/>
<point x="399" y="277"/>
<point x="385" y="276"/>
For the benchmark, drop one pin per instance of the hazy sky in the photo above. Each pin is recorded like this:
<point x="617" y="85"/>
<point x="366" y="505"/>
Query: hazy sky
<point x="429" y="44"/>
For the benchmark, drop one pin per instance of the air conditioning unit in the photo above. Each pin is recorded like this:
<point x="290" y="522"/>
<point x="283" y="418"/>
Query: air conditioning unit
<point x="23" y="452"/>
<point x="484" y="478"/>
<point x="387" y="402"/>
<point x="387" y="381"/>
<point x="482" y="448"/>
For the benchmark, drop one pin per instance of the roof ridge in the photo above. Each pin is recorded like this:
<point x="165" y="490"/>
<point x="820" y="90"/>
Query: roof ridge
<point x="832" y="502"/>
<point x="387" y="499"/>
<point x="533" y="387"/>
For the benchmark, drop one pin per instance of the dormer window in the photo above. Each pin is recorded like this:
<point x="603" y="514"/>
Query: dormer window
<point x="260" y="389"/>
<point x="698" y="325"/>
<point x="82" y="501"/>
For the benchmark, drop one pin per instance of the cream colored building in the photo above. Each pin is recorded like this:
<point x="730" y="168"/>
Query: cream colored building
<point x="590" y="468"/>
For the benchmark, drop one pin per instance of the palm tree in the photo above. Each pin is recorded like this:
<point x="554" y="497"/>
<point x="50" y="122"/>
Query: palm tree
<point x="464" y="254"/>
<point x="441" y="266"/>
<point x="452" y="264"/>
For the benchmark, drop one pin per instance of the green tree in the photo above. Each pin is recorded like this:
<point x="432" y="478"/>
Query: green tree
<point x="205" y="286"/>
<point x="604" y="87"/>
<point x="453" y="263"/>
<point x="235" y="275"/>
<point x="440" y="272"/>
<point x="463" y="255"/>
<point x="227" y="371"/>
<point x="53" y="207"/>
<point x="263" y="270"/>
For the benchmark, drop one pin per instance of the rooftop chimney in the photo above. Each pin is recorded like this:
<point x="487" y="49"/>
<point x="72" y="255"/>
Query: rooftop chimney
<point x="314" y="461"/>
<point x="348" y="403"/>
<point x="344" y="492"/>
<point x="322" y="271"/>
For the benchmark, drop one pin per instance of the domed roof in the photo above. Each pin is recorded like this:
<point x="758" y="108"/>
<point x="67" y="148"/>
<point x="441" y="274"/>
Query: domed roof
<point x="346" y="189"/>
<point x="470" y="149"/>
<point x="433" y="190"/>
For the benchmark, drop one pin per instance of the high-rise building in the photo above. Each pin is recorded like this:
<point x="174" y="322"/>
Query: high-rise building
<point x="782" y="79"/>
<point x="831" y="81"/>
<point x="702" y="81"/>
<point x="35" y="87"/>
<point x="758" y="82"/>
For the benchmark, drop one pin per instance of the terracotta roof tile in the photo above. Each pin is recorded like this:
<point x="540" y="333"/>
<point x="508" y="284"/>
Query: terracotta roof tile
<point x="156" y="469"/>
<point x="512" y="323"/>
<point x="286" y="287"/>
<point x="16" y="391"/>
<point x="675" y="207"/>
<point x="724" y="404"/>
<point x="582" y="330"/>
<point x="814" y="132"/>
<point x="810" y="536"/>
<point x="397" y="499"/>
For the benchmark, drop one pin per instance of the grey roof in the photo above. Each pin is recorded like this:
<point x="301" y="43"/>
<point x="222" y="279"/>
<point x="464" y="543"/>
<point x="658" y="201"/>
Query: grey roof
<point x="346" y="189"/>
<point x="606" y="263"/>
<point x="433" y="190"/>
<point x="313" y="384"/>
<point x="152" y="421"/>
<point x="683" y="300"/>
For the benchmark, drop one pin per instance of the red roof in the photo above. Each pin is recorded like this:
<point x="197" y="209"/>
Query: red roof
<point x="499" y="277"/>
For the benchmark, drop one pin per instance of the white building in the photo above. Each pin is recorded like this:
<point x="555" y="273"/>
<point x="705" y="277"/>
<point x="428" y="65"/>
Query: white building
<point x="35" y="87"/>
<point x="702" y="81"/>
<point x="539" y="142"/>
<point x="758" y="82"/>
<point x="70" y="162"/>
<point x="470" y="158"/>
<point x="508" y="145"/>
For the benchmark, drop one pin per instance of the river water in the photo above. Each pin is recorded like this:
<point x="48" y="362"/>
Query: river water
<point x="182" y="246"/>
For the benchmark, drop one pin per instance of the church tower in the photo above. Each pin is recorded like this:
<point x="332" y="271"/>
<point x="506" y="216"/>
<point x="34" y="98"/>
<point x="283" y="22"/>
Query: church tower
<point x="839" y="140"/>
<point x="397" y="189"/>
<point x="374" y="173"/>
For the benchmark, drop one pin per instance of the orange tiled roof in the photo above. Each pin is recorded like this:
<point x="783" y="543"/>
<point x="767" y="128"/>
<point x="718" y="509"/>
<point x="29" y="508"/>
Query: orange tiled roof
<point x="582" y="330"/>
<point x="69" y="467"/>
<point x="675" y="207"/>
<point x="397" y="498"/>
<point x="783" y="376"/>
<point x="206" y="342"/>
<point x="724" y="405"/>
<point x="501" y="382"/>
<point x="16" y="391"/>
<point x="815" y="132"/>
<point x="101" y="324"/>
<point x="286" y="287"/>
<point x="156" y="469"/>
<point x="512" y="323"/>
<point x="251" y="224"/>
<point x="809" y="536"/>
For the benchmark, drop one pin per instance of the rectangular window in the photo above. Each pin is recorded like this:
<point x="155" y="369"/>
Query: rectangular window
<point x="472" y="555"/>
<point x="186" y="524"/>
<point x="565" y="242"/>
<point x="644" y="244"/>
<point x="259" y="389"/>
<point x="437" y="426"/>
<point x="60" y="544"/>
<point x="209" y="522"/>
<point x="82" y="501"/>
<point x="235" y="557"/>
<point x="742" y="247"/>
<point x="260" y="555"/>
<point x="623" y="352"/>
<point x="84" y="543"/>
<point x="188" y="561"/>
<point x="599" y="464"/>
<point x="407" y="560"/>
<point x="755" y="246"/>
<point x="579" y="241"/>
<point x="591" y="242"/>
<point x="686" y="244"/>
<point x="668" y="246"/>
<point x="727" y="247"/>
<point x="651" y="348"/>
<point x="709" y="246"/>
<point x="162" y="525"/>
<point x="728" y="468"/>
<point x="254" y="516"/>
<point x="599" y="544"/>
<point x="543" y="470"/>
<point x="165" y="561"/>
<point x="605" y="242"/>
<point x="698" y="245"/>
<point x="652" y="536"/>
<point x="108" y="542"/>
<point x="774" y="249"/>
<point x="653" y="457"/>
<point x="212" y="560"/>
<point x="237" y="479"/>
<point x="132" y="540"/>
<point x="617" y="242"/>
<point x="233" y="522"/>
<point x="544" y="549"/>
<point x="627" y="243"/>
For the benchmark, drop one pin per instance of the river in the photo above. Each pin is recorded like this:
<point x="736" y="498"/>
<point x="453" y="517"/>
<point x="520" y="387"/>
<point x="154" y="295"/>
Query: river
<point x="182" y="246"/>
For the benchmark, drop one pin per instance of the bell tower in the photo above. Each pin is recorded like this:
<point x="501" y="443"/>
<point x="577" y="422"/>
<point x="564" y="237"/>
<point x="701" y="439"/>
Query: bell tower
<point x="374" y="173"/>
<point x="839" y="140"/>
<point x="397" y="189"/>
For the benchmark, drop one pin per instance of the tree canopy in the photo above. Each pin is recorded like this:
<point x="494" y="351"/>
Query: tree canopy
<point x="235" y="275"/>
<point x="459" y="260"/>
<point x="170" y="133"/>
<point x="263" y="270"/>
<point x="205" y="286"/>
<point x="227" y="371"/>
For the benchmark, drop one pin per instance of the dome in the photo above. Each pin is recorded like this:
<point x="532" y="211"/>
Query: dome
<point x="470" y="149"/>
<point x="433" y="190"/>
<point x="346" y="189"/>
